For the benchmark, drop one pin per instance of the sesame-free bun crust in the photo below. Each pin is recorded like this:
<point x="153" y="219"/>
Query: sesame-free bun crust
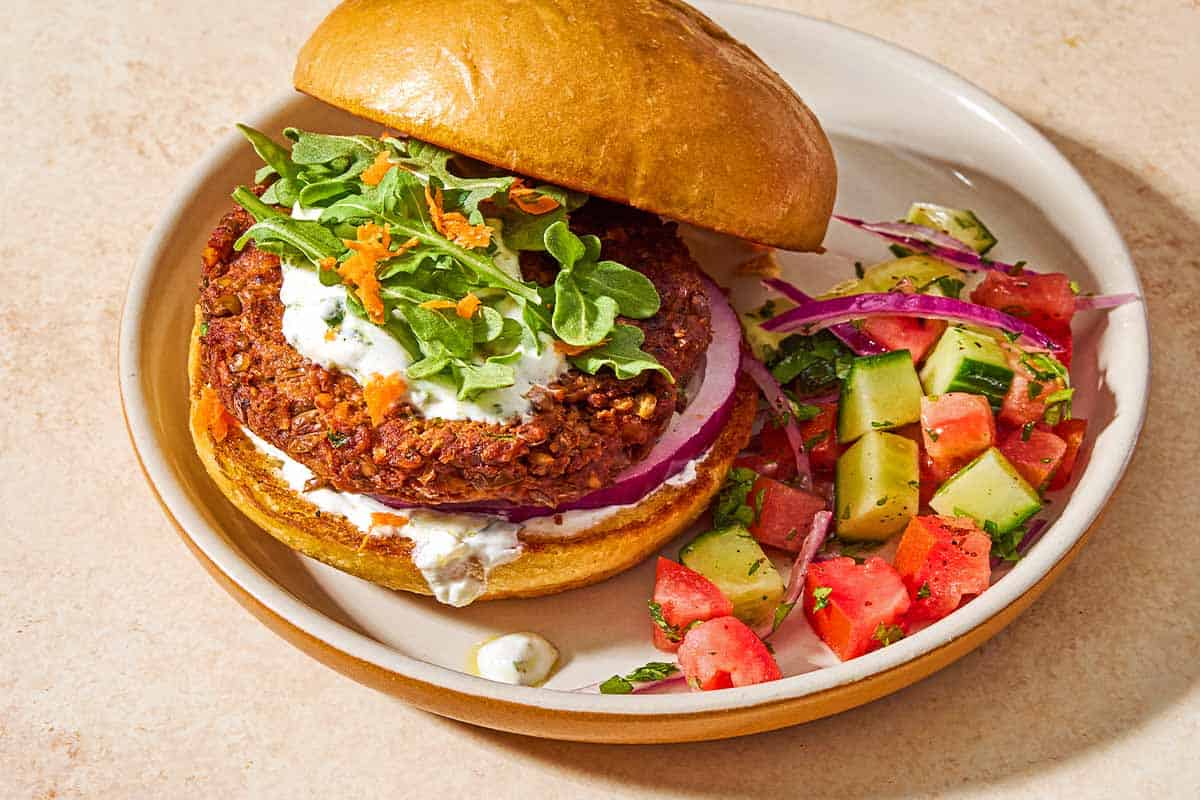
<point x="645" y="102"/>
<point x="249" y="479"/>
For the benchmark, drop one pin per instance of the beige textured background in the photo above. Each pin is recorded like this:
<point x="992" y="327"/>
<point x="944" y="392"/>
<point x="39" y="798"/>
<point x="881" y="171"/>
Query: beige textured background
<point x="126" y="672"/>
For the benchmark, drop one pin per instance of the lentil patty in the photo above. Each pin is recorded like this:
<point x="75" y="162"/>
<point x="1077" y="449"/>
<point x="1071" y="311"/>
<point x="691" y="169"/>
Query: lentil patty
<point x="584" y="429"/>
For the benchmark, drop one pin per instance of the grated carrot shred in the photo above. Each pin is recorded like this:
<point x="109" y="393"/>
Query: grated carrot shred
<point x="530" y="200"/>
<point x="373" y="174"/>
<point x="211" y="412"/>
<point x="576" y="349"/>
<point x="328" y="264"/>
<point x="454" y="226"/>
<point x="434" y="305"/>
<point x="467" y="307"/>
<point x="383" y="519"/>
<point x="372" y="245"/>
<point x="381" y="393"/>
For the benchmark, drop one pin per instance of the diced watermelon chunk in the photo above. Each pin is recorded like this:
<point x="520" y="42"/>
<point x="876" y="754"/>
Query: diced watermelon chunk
<point x="1044" y="300"/>
<point x="723" y="653"/>
<point x="1072" y="432"/>
<point x="1026" y="398"/>
<point x="956" y="427"/>
<point x="819" y="439"/>
<point x="914" y="334"/>
<point x="1036" y="454"/>
<point x="852" y="606"/>
<point x="786" y="513"/>
<point x="684" y="596"/>
<point x="760" y="464"/>
<point x="775" y="449"/>
<point x="941" y="559"/>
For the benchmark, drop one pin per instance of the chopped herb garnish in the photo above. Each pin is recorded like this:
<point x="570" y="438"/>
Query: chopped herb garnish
<point x="670" y="631"/>
<point x="888" y="634"/>
<point x="755" y="566"/>
<point x="648" y="673"/>
<point x="1035" y="389"/>
<point x="923" y="592"/>
<point x="858" y="269"/>
<point x="337" y="439"/>
<point x="731" y="507"/>
<point x="813" y="441"/>
<point x="886" y="423"/>
<point x="1027" y="430"/>
<point x="932" y="434"/>
<point x="882" y="501"/>
<point x="821" y="597"/>
<point x="204" y="328"/>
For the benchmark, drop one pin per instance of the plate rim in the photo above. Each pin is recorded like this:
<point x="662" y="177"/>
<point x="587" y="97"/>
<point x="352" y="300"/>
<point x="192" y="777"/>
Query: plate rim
<point x="1020" y="586"/>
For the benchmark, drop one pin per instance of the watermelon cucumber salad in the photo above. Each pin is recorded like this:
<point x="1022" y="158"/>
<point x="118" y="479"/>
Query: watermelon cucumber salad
<point x="920" y="409"/>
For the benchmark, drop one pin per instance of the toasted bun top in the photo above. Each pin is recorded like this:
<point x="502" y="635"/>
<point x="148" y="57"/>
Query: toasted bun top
<point x="645" y="102"/>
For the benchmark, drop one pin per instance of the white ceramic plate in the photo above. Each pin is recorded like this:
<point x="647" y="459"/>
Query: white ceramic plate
<point x="903" y="129"/>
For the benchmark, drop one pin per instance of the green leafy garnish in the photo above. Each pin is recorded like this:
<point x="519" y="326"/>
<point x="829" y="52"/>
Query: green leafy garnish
<point x="888" y="634"/>
<point x="622" y="352"/>
<point x="811" y="364"/>
<point x="731" y="507"/>
<point x="923" y="592"/>
<point x="647" y="673"/>
<point x="670" y="631"/>
<point x="424" y="272"/>
<point x="337" y="439"/>
<point x="821" y="597"/>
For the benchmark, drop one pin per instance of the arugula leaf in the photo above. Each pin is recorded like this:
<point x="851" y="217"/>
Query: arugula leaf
<point x="278" y="159"/>
<point x="622" y="352"/>
<point x="580" y="319"/>
<point x="450" y="331"/>
<point x="635" y="295"/>
<point x="310" y="239"/>
<point x="495" y="373"/>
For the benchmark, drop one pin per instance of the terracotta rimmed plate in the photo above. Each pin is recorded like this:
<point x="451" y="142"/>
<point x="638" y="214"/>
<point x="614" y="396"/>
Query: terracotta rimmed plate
<point x="903" y="129"/>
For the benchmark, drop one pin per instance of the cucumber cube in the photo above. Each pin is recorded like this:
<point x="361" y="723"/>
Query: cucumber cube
<point x="878" y="486"/>
<point x="989" y="489"/>
<point x="734" y="561"/>
<point x="960" y="223"/>
<point x="968" y="361"/>
<point x="881" y="393"/>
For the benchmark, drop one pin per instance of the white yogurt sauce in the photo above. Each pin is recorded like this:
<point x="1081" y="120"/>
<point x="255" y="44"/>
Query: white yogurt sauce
<point x="454" y="552"/>
<point x="522" y="659"/>
<point x="360" y="349"/>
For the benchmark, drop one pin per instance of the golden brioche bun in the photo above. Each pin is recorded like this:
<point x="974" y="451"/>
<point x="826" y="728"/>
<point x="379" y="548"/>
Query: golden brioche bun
<point x="249" y="479"/>
<point x="645" y="102"/>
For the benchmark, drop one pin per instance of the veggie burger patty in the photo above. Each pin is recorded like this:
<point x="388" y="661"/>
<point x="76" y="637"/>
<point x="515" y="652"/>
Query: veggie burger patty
<point x="584" y="429"/>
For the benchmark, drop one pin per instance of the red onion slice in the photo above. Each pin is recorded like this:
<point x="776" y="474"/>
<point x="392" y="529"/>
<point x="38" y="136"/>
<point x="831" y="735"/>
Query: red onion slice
<point x="690" y="433"/>
<point x="782" y="408"/>
<point x="808" y="551"/>
<point x="1098" y="301"/>
<point x="852" y="337"/>
<point x="823" y="313"/>
<point x="932" y="242"/>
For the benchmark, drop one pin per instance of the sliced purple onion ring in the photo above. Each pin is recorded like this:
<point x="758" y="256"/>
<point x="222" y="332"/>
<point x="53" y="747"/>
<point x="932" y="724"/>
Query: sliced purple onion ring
<point x="823" y="313"/>
<point x="852" y="337"/>
<point x="781" y="406"/>
<point x="808" y="551"/>
<point x="1098" y="301"/>
<point x="934" y="243"/>
<point x="687" y="437"/>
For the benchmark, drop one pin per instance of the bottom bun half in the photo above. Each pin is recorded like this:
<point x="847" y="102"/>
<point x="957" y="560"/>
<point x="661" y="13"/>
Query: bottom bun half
<point x="548" y="563"/>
